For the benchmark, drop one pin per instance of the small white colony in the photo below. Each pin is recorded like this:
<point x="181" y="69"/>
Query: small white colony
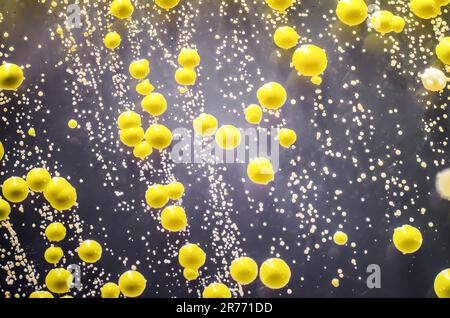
<point x="433" y="79"/>
<point x="443" y="183"/>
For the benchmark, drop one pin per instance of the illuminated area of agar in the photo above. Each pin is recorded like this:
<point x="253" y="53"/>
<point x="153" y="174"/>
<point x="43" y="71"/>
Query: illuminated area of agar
<point x="118" y="120"/>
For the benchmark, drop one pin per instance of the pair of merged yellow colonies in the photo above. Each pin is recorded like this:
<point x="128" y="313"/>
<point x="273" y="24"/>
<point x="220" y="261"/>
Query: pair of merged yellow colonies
<point x="274" y="273"/>
<point x="131" y="284"/>
<point x="189" y="59"/>
<point x="191" y="257"/>
<point x="139" y="70"/>
<point x="55" y="232"/>
<point x="427" y="9"/>
<point x="385" y="22"/>
<point x="57" y="191"/>
<point x="158" y="195"/>
<point x="271" y="95"/>
<point x="227" y="136"/>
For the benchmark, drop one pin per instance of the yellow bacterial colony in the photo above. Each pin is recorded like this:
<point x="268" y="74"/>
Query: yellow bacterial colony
<point x="335" y="116"/>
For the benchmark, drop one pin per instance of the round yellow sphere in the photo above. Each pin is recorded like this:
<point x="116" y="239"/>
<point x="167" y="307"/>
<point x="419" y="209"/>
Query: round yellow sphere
<point x="132" y="283"/>
<point x="191" y="256"/>
<point x="139" y="69"/>
<point x="110" y="290"/>
<point x="59" y="280"/>
<point x="442" y="284"/>
<point x="155" y="104"/>
<point x="398" y="24"/>
<point x="271" y="95"/>
<point x="53" y="254"/>
<point x="121" y="9"/>
<point x="442" y="51"/>
<point x="60" y="194"/>
<point x="55" y="232"/>
<point x="205" y="125"/>
<point x="340" y="238"/>
<point x="260" y="171"/>
<point x="72" y="124"/>
<point x="228" y="137"/>
<point x="5" y="210"/>
<point x="158" y="136"/>
<point x="173" y="218"/>
<point x="131" y="136"/>
<point x="128" y="119"/>
<point x="185" y="76"/>
<point x="310" y="60"/>
<point x="382" y="21"/>
<point x="351" y="12"/>
<point x="190" y="274"/>
<point x="2" y="151"/>
<point x="142" y="150"/>
<point x="167" y="4"/>
<point x="287" y="137"/>
<point x="15" y="189"/>
<point x="11" y="76"/>
<point x="253" y="114"/>
<point x="175" y="190"/>
<point x="41" y="294"/>
<point x="37" y="179"/>
<point x="244" y="270"/>
<point x="90" y="251"/>
<point x="285" y="37"/>
<point x="316" y="80"/>
<point x="112" y="40"/>
<point x="156" y="196"/>
<point x="425" y="9"/>
<point x="407" y="239"/>
<point x="216" y="290"/>
<point x="145" y="87"/>
<point x="188" y="58"/>
<point x="279" y="5"/>
<point x="275" y="273"/>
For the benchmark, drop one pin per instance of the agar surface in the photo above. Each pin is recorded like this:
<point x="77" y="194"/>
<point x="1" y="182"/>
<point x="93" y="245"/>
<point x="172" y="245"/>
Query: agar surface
<point x="224" y="148"/>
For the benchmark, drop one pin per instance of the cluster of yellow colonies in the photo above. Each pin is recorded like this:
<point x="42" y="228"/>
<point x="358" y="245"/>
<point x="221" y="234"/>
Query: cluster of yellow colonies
<point x="59" y="280"/>
<point x="308" y="60"/>
<point x="273" y="273"/>
<point x="57" y="191"/>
